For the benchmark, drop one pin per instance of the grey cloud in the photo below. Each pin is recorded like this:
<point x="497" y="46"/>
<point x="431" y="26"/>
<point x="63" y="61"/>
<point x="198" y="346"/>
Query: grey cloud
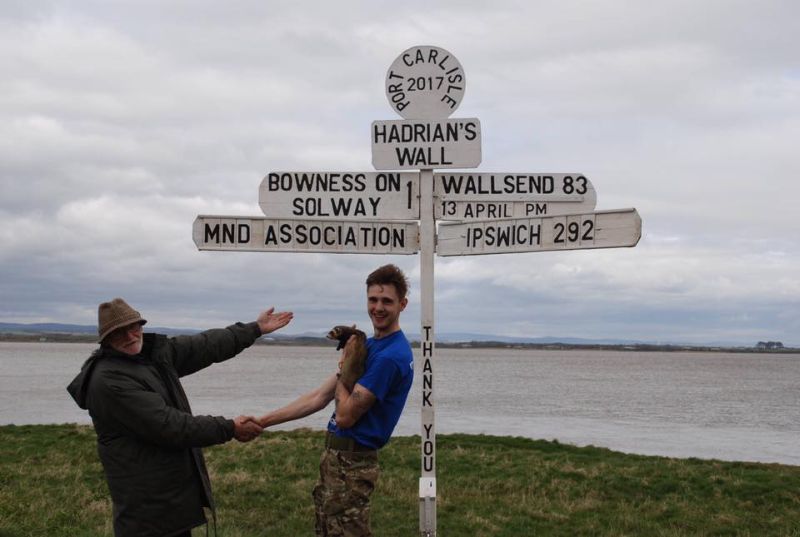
<point x="123" y="121"/>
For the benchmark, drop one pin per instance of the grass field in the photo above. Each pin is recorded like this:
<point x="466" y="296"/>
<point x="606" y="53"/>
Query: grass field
<point x="51" y="484"/>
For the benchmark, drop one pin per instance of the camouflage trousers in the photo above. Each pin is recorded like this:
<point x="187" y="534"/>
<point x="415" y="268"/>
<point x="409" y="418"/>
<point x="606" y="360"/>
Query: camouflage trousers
<point x="341" y="496"/>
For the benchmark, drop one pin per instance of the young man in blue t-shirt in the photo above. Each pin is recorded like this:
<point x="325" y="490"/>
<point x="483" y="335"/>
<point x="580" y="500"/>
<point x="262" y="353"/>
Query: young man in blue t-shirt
<point x="365" y="417"/>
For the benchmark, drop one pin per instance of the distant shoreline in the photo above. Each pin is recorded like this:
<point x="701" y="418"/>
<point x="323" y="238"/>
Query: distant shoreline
<point x="306" y="341"/>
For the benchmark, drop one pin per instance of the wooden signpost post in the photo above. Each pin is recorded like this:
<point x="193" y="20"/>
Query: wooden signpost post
<point x="395" y="212"/>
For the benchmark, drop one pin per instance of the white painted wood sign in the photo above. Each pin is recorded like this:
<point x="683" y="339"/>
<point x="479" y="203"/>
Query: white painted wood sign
<point x="346" y="195"/>
<point x="256" y="234"/>
<point x="600" y="229"/>
<point x="483" y="196"/>
<point x="425" y="82"/>
<point x="426" y="144"/>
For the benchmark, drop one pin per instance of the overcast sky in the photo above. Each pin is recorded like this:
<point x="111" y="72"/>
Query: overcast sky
<point x="121" y="121"/>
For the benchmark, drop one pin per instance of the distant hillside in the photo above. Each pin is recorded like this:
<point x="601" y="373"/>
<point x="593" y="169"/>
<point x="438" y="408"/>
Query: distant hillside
<point x="78" y="329"/>
<point x="310" y="338"/>
<point x="87" y="333"/>
<point x="460" y="337"/>
<point x="466" y="337"/>
<point x="455" y="337"/>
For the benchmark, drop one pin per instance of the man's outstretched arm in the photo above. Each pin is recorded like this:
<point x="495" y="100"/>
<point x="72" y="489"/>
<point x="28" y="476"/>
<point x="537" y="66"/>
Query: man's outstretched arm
<point x="305" y="405"/>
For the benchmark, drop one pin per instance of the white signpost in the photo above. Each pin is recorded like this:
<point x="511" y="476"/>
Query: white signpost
<point x="395" y="212"/>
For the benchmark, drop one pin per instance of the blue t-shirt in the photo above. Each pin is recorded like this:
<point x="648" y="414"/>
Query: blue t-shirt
<point x="388" y="374"/>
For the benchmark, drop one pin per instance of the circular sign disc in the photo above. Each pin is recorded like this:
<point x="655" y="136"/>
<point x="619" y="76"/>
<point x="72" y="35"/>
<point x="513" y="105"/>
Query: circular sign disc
<point x="425" y="83"/>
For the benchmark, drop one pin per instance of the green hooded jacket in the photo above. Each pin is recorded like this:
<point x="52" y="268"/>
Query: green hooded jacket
<point x="147" y="438"/>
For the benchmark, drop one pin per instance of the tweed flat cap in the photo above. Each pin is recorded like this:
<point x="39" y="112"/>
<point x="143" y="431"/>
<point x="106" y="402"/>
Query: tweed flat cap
<point x="115" y="314"/>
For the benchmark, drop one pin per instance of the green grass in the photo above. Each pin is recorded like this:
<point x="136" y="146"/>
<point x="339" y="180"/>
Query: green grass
<point x="51" y="484"/>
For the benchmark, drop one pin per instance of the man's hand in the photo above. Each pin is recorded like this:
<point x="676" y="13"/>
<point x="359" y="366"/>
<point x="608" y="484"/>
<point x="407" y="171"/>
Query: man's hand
<point x="269" y="321"/>
<point x="246" y="428"/>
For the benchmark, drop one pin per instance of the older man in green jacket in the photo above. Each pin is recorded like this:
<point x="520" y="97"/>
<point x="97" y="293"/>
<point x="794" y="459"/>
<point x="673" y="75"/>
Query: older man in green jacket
<point x="147" y="438"/>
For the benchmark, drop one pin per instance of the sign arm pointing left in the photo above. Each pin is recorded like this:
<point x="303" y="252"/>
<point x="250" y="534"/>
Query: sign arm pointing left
<point x="256" y="234"/>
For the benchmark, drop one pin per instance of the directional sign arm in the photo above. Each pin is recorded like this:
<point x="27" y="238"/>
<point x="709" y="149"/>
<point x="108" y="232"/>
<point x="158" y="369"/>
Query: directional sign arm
<point x="618" y="228"/>
<point x="601" y="229"/>
<point x="464" y="196"/>
<point x="321" y="195"/>
<point x="255" y="234"/>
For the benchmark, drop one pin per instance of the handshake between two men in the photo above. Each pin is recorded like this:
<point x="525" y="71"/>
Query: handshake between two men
<point x="350" y="367"/>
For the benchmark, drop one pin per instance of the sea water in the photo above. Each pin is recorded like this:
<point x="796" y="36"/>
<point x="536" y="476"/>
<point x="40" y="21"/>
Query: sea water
<point x="732" y="406"/>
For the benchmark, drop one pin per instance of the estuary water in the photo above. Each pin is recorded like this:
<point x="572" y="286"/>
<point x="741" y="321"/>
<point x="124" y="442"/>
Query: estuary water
<point x="730" y="406"/>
